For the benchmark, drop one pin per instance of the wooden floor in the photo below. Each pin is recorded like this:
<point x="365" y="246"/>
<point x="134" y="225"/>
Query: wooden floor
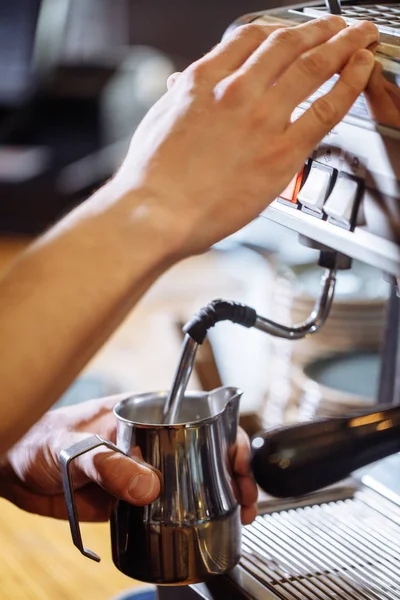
<point x="39" y="562"/>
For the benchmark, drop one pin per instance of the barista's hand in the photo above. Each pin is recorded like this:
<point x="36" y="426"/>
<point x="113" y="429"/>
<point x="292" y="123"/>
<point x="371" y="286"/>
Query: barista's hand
<point x="219" y="146"/>
<point x="31" y="479"/>
<point x="383" y="98"/>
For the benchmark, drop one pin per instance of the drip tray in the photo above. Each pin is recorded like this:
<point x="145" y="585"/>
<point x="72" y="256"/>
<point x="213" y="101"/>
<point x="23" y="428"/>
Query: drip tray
<point x="346" y="548"/>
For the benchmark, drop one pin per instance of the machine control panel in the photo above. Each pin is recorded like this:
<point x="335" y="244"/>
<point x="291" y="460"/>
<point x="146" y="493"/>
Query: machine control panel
<point x="316" y="189"/>
<point x="326" y="194"/>
<point x="341" y="204"/>
<point x="347" y="196"/>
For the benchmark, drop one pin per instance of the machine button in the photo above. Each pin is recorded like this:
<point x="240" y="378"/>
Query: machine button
<point x="341" y="203"/>
<point x="316" y="188"/>
<point x="289" y="194"/>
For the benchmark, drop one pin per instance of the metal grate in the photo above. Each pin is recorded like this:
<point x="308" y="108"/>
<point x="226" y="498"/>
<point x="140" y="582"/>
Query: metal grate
<point x="385" y="16"/>
<point x="347" y="549"/>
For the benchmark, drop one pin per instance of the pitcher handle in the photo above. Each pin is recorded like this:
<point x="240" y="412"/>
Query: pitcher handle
<point x="66" y="458"/>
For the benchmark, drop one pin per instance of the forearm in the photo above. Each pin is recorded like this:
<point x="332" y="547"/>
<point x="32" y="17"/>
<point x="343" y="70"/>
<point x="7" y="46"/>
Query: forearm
<point x="62" y="299"/>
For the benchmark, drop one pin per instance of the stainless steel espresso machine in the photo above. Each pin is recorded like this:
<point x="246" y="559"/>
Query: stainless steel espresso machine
<point x="342" y="542"/>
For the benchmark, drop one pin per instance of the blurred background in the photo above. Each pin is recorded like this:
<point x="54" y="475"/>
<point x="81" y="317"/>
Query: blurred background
<point x="76" y="77"/>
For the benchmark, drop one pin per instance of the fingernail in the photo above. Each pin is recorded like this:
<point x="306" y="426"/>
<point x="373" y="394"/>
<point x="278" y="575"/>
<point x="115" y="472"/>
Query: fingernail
<point x="141" y="486"/>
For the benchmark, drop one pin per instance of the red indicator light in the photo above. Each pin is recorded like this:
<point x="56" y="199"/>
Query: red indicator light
<point x="290" y="192"/>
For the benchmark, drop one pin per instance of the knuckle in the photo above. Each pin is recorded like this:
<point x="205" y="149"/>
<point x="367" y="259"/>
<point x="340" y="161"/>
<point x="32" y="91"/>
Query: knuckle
<point x="325" y="111"/>
<point x="361" y="34"/>
<point x="105" y="465"/>
<point x="198" y="72"/>
<point x="313" y="64"/>
<point x="235" y="91"/>
<point x="290" y="36"/>
<point x="351" y="86"/>
<point x="331" y="24"/>
<point x="252" y="31"/>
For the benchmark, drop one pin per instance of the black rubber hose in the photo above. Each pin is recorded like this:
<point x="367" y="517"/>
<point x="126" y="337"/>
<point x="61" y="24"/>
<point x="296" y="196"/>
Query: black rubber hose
<point x="216" y="311"/>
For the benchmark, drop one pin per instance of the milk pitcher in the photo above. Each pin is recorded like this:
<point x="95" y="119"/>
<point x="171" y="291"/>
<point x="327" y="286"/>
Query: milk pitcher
<point x="193" y="530"/>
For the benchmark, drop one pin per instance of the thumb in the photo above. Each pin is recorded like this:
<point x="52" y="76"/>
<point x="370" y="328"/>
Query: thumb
<point x="127" y="478"/>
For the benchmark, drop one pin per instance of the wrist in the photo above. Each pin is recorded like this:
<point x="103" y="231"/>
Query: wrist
<point x="151" y="216"/>
<point x="122" y="221"/>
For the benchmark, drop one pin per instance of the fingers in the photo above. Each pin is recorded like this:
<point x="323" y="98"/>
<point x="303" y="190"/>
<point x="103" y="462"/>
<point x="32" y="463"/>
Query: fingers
<point x="93" y="416"/>
<point x="283" y="47"/>
<point x="231" y="53"/>
<point x="379" y="102"/>
<point x="86" y="411"/>
<point x="263" y="52"/>
<point x="383" y="98"/>
<point x="326" y="112"/>
<point x="237" y="46"/>
<point x="246" y="486"/>
<point x="394" y="93"/>
<point x="248" y="514"/>
<point x="247" y="489"/>
<point x="92" y="503"/>
<point x="241" y="462"/>
<point x="121" y="476"/>
<point x="248" y="495"/>
<point x="315" y="67"/>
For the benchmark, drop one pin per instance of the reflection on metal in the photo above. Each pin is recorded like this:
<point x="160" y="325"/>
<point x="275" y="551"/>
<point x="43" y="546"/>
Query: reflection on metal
<point x="176" y="539"/>
<point x="181" y="380"/>
<point x="344" y="549"/>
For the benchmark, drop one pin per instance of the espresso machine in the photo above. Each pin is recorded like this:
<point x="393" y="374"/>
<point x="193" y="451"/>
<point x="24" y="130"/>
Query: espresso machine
<point x="329" y="529"/>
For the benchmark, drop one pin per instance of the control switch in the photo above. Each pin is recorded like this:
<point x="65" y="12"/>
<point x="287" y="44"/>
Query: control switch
<point x="290" y="193"/>
<point x="341" y="204"/>
<point x="315" y="190"/>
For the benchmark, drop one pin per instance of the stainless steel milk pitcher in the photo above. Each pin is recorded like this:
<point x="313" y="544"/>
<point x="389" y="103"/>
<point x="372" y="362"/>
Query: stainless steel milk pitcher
<point x="193" y="530"/>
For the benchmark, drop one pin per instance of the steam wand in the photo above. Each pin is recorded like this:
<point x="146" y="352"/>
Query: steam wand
<point x="299" y="459"/>
<point x="219" y="310"/>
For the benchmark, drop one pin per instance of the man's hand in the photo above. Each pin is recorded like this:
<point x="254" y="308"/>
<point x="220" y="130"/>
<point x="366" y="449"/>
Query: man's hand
<point x="220" y="145"/>
<point x="383" y="98"/>
<point x="31" y="478"/>
<point x="207" y="159"/>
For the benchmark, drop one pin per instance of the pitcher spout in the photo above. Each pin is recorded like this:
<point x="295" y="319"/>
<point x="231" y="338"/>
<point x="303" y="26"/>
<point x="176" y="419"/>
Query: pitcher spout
<point x="225" y="399"/>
